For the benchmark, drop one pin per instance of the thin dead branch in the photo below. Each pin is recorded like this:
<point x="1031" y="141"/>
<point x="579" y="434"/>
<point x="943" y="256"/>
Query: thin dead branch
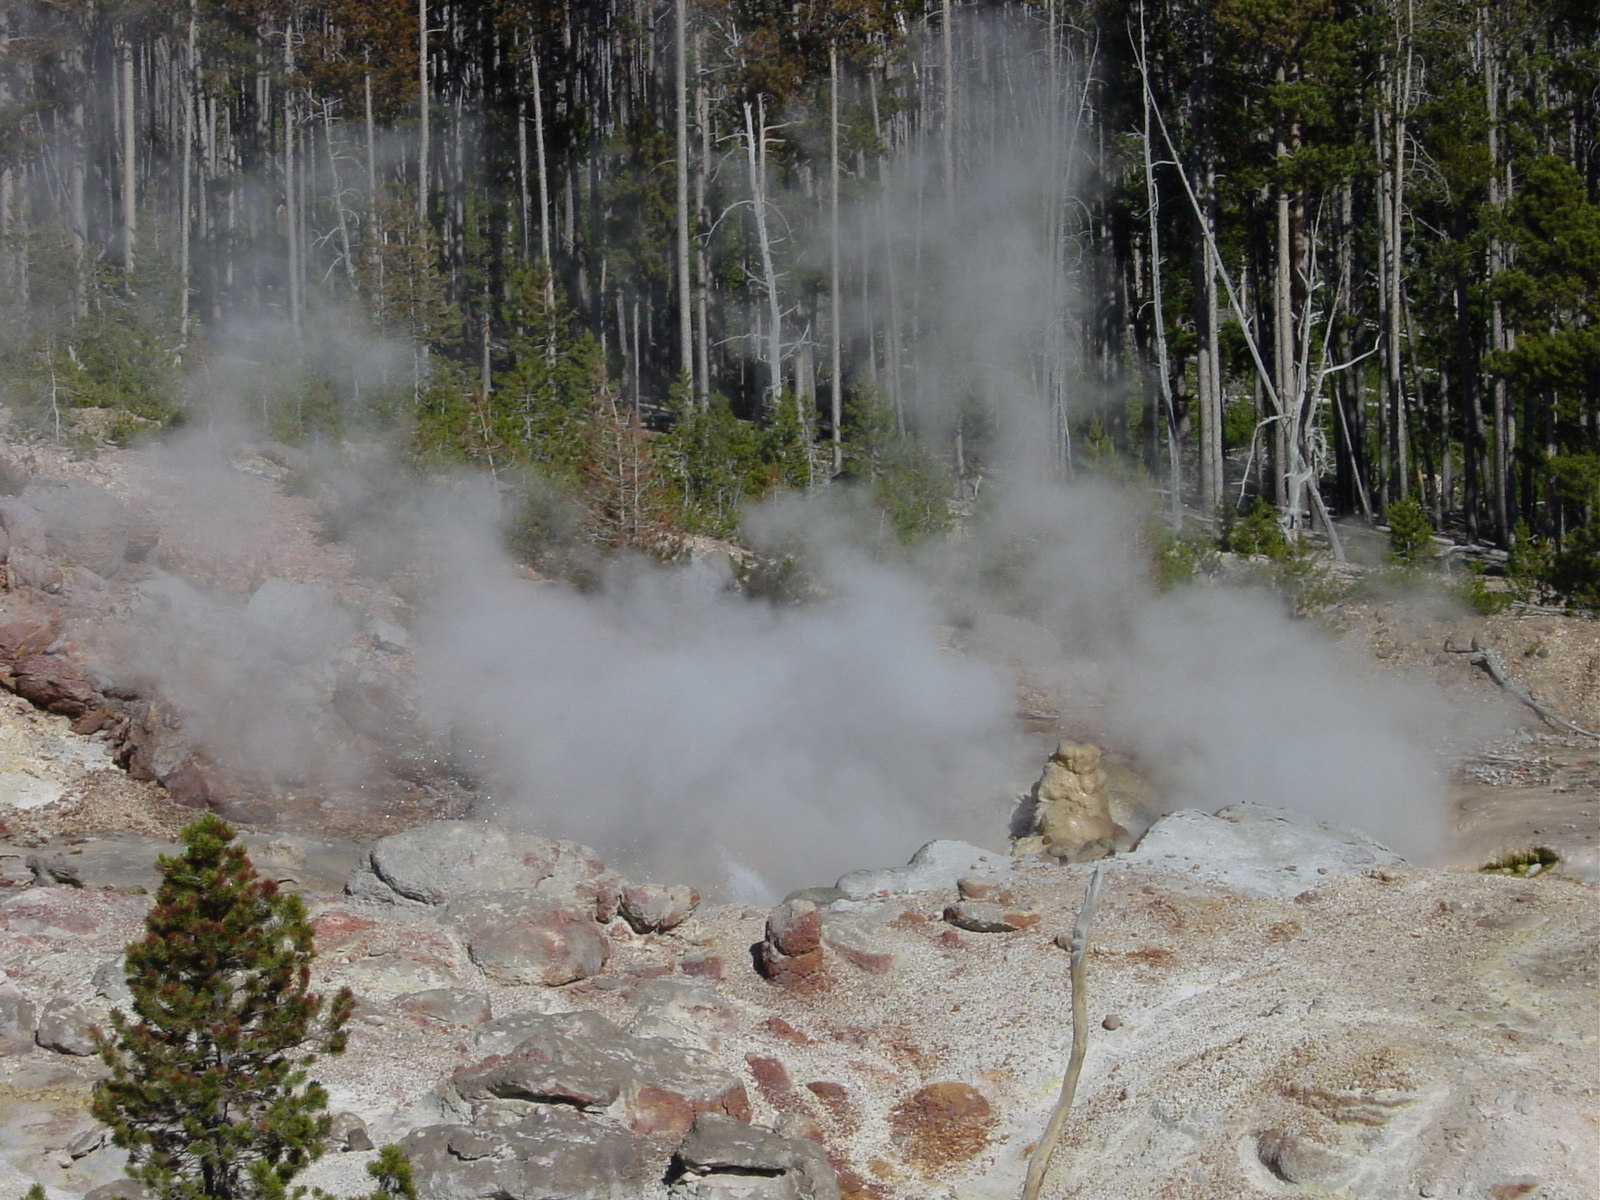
<point x="1039" y="1163"/>
<point x="1490" y="662"/>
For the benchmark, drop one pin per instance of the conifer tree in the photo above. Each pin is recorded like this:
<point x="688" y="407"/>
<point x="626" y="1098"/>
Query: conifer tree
<point x="208" y="1089"/>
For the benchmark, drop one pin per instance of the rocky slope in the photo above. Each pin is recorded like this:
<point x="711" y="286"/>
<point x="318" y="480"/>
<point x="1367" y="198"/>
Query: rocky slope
<point x="1279" y="1008"/>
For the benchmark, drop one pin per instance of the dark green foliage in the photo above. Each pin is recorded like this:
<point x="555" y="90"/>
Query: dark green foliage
<point x="1410" y="531"/>
<point x="1177" y="558"/>
<point x="717" y="463"/>
<point x="909" y="484"/>
<point x="1255" y="532"/>
<point x="208" y="1089"/>
<point x="1475" y="593"/>
<point x="1528" y="565"/>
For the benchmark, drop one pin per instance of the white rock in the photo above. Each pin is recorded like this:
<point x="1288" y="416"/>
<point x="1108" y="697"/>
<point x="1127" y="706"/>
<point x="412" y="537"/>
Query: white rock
<point x="1255" y="850"/>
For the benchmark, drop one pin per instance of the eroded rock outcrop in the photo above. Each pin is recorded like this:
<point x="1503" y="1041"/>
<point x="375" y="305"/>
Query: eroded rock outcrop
<point x="1072" y="809"/>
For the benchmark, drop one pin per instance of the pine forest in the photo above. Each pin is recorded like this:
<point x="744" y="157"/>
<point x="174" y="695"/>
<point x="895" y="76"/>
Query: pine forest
<point x="1312" y="264"/>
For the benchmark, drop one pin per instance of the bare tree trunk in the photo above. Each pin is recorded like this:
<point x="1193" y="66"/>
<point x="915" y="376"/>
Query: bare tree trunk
<point x="424" y="149"/>
<point x="702" y="107"/>
<point x="1208" y="356"/>
<point x="680" y="65"/>
<point x="77" y="188"/>
<point x="1499" y="483"/>
<point x="190" y="81"/>
<point x="948" y="126"/>
<point x="525" y="198"/>
<point x="755" y="145"/>
<point x="835" y="381"/>
<point x="290" y="196"/>
<point x="129" y="166"/>
<point x="1283" y="345"/>
<point x="543" y="168"/>
<point x="1399" y="443"/>
<point x="1158" y="316"/>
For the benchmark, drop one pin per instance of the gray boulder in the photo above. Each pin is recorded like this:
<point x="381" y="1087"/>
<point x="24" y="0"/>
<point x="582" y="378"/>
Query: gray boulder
<point x="67" y="1028"/>
<point x="651" y="1085"/>
<point x="84" y="525"/>
<point x="655" y="907"/>
<point x="438" y="862"/>
<point x="298" y="622"/>
<point x="305" y="863"/>
<point x="118" y="862"/>
<point x="1255" y="850"/>
<point x="551" y="1154"/>
<point x="349" y="1133"/>
<point x="447" y="1005"/>
<point x="718" y="1146"/>
<point x="526" y="938"/>
<point x="936" y="867"/>
<point x="19" y="1020"/>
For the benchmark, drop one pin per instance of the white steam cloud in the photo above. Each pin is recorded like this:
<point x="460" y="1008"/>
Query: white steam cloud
<point x="691" y="733"/>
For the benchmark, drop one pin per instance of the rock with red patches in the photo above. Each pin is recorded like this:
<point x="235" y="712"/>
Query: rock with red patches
<point x="525" y="938"/>
<point x="28" y="629"/>
<point x="703" y="965"/>
<point x="650" y="1085"/>
<point x="941" y="1125"/>
<point x="335" y="926"/>
<point x="73" y="914"/>
<point x="552" y="1153"/>
<point x="56" y="684"/>
<point x="717" y="1146"/>
<point x="448" y="1006"/>
<point x="795" y="927"/>
<point x="975" y="887"/>
<point x="783" y="1031"/>
<point x="982" y="916"/>
<point x="655" y="908"/>
<point x="791" y="954"/>
<point x="772" y="1080"/>
<point x="19" y="1019"/>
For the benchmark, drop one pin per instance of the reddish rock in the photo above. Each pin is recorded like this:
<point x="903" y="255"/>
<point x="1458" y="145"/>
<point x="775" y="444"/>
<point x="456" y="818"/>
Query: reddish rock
<point x="974" y="887"/>
<point x="706" y="966"/>
<point x="28" y="632"/>
<point x="835" y="1100"/>
<point x="663" y="1111"/>
<point x="791" y="953"/>
<point x="336" y="925"/>
<point x="781" y="1029"/>
<point x="940" y="1125"/>
<point x="655" y="908"/>
<point x="56" y="684"/>
<point x="522" y="938"/>
<point x="793" y="970"/>
<point x="448" y="1006"/>
<point x="795" y="927"/>
<point x="982" y="916"/>
<point x="772" y="1079"/>
<point x="869" y="961"/>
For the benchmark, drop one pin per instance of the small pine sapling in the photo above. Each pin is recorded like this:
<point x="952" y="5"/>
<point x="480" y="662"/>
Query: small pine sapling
<point x="1410" y="531"/>
<point x="208" y="1089"/>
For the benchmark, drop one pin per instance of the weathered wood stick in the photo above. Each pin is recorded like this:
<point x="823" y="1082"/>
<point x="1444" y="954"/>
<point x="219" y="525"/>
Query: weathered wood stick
<point x="1490" y="662"/>
<point x="1039" y="1162"/>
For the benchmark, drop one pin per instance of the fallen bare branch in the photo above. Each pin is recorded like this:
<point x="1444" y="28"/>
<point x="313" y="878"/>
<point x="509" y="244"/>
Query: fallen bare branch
<point x="1039" y="1162"/>
<point x="1490" y="662"/>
